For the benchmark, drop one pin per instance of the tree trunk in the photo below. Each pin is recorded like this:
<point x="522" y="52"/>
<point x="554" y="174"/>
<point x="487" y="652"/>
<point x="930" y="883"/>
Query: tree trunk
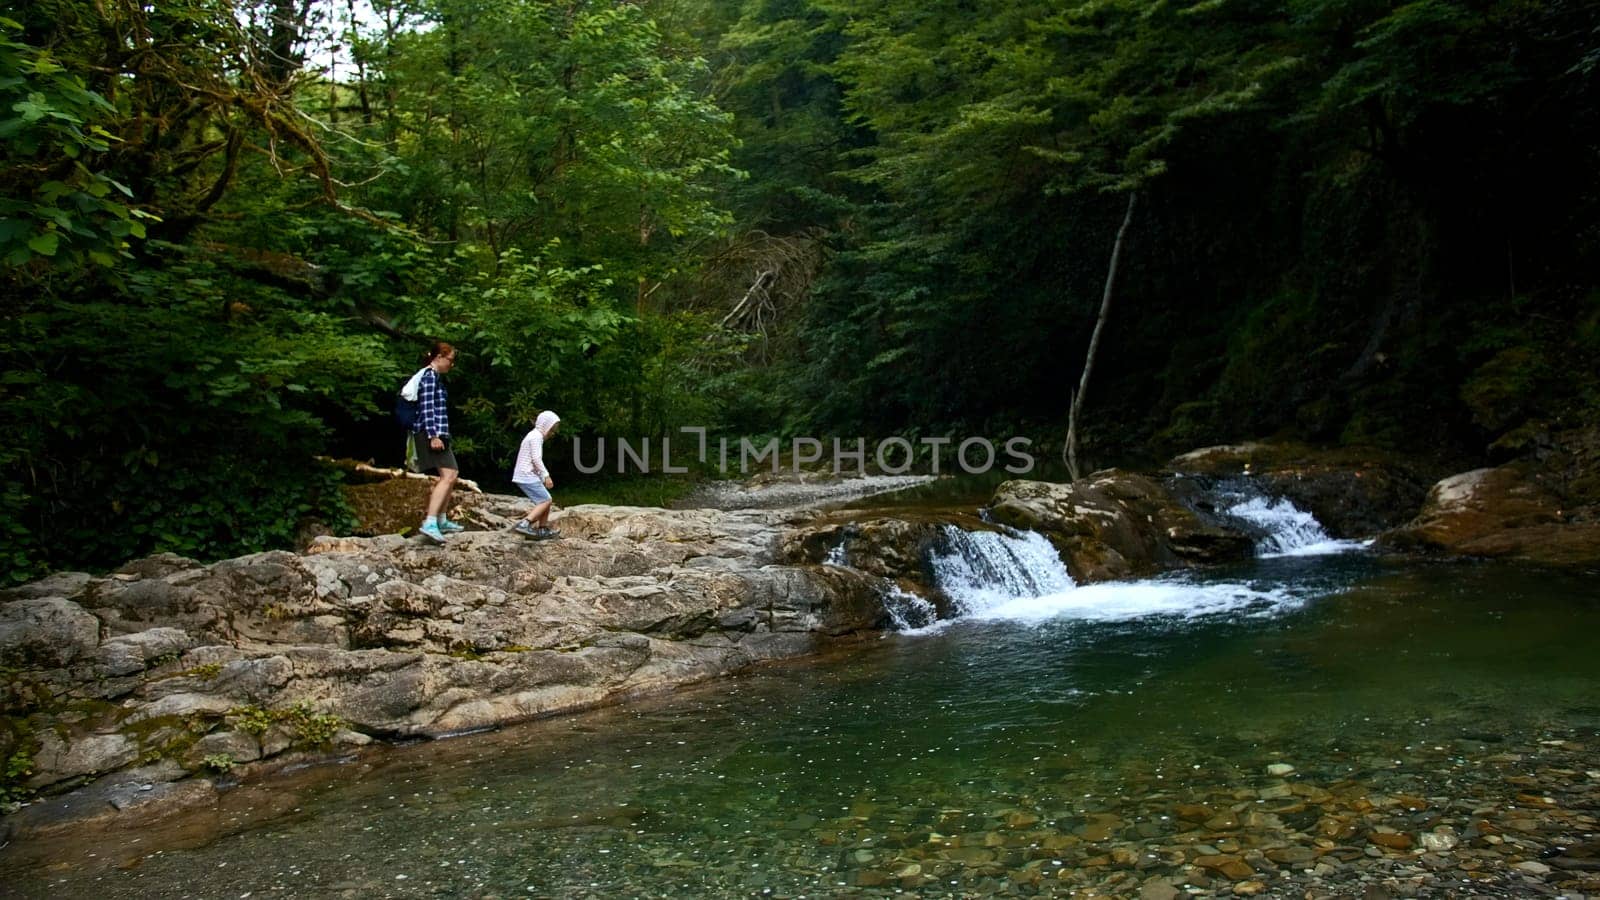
<point x="1071" y="448"/>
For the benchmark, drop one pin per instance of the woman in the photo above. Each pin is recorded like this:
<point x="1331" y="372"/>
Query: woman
<point x="531" y="475"/>
<point x="431" y="441"/>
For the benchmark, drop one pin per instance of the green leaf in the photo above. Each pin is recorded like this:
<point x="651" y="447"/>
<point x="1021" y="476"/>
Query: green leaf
<point x="45" y="244"/>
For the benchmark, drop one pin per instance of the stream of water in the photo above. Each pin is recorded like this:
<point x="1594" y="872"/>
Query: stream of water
<point x="1048" y="741"/>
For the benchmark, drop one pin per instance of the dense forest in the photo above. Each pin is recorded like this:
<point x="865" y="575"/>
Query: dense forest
<point x="230" y="228"/>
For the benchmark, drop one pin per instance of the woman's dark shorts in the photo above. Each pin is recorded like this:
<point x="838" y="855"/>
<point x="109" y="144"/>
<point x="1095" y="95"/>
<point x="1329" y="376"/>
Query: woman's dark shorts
<point x="431" y="460"/>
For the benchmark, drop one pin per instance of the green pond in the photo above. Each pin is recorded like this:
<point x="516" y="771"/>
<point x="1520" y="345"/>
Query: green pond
<point x="1007" y="753"/>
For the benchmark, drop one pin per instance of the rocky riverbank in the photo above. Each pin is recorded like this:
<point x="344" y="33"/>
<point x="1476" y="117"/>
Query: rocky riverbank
<point x="170" y="668"/>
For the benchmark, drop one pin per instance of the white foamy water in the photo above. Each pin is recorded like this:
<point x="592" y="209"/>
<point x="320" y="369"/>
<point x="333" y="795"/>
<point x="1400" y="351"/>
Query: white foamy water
<point x="1124" y="600"/>
<point x="837" y="556"/>
<point x="1019" y="577"/>
<point x="1291" y="531"/>
<point x="977" y="570"/>
<point x="908" y="611"/>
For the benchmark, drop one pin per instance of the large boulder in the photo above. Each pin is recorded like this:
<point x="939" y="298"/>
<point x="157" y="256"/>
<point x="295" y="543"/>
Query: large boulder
<point x="1117" y="524"/>
<point x="1543" y="507"/>
<point x="894" y="548"/>
<point x="1355" y="492"/>
<point x="1506" y="512"/>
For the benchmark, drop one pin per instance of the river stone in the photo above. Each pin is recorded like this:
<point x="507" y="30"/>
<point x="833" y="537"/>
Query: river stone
<point x="1440" y="840"/>
<point x="1291" y="856"/>
<point x="1227" y="864"/>
<point x="1390" y="841"/>
<point x="1157" y="888"/>
<point x="1532" y="868"/>
<point x="47" y="632"/>
<point x="66" y="585"/>
<point x="971" y="856"/>
<point x="181" y="705"/>
<point x="1225" y="821"/>
<point x="1116" y="524"/>
<point x="1019" y="819"/>
<point x="236" y="746"/>
<point x="59" y="759"/>
<point x="168" y="798"/>
<point x="130" y="653"/>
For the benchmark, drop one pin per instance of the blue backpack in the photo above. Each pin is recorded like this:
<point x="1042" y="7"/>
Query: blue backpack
<point x="406" y="412"/>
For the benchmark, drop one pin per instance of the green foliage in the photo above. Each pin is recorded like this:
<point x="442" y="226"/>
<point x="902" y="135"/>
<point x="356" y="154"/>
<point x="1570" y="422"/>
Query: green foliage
<point x="17" y="749"/>
<point x="56" y="208"/>
<point x="204" y="671"/>
<point x="1337" y="195"/>
<point x="1357" y="219"/>
<point x="1500" y="390"/>
<point x="641" y="490"/>
<point x="310" y="728"/>
<point x="252" y="720"/>
<point x="177" y="411"/>
<point x="221" y="763"/>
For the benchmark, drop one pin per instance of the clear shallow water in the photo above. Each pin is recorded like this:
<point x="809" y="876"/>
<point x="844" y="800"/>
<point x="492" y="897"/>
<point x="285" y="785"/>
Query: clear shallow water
<point x="823" y="779"/>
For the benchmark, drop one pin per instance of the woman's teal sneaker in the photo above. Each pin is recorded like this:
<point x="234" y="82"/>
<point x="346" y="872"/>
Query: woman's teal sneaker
<point x="431" y="531"/>
<point x="449" y="527"/>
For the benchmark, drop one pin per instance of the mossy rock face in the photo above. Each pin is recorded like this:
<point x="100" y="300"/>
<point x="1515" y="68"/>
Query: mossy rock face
<point x="1527" y="438"/>
<point x="1500" y="392"/>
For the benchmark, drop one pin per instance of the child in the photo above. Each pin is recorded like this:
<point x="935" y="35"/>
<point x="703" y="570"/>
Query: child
<point x="531" y="475"/>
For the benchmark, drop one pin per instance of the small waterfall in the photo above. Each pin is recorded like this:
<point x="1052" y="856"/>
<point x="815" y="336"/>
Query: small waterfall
<point x="1018" y="576"/>
<point x="978" y="570"/>
<point x="838" y="556"/>
<point x="908" y="611"/>
<point x="1284" y="529"/>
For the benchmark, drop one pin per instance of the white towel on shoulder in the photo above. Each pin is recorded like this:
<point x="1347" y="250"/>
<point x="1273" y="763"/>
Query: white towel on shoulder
<point x="413" y="385"/>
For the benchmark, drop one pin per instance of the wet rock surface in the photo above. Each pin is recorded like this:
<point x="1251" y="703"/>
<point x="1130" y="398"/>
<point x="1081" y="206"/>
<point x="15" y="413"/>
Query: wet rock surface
<point x="209" y="667"/>
<point x="1353" y="492"/>
<point x="1117" y="524"/>
<point x="1542" y="508"/>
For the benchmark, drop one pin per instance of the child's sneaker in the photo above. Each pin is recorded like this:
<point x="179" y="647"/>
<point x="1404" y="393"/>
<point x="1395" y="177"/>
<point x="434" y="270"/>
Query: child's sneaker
<point x="523" y="528"/>
<point x="448" y="527"/>
<point x="546" y="534"/>
<point x="431" y="531"/>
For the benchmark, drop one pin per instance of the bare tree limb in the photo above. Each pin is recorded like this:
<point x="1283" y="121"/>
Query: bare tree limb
<point x="1071" y="445"/>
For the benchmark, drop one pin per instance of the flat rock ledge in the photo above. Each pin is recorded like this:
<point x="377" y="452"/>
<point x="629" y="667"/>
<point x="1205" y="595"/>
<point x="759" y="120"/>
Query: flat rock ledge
<point x="168" y="668"/>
